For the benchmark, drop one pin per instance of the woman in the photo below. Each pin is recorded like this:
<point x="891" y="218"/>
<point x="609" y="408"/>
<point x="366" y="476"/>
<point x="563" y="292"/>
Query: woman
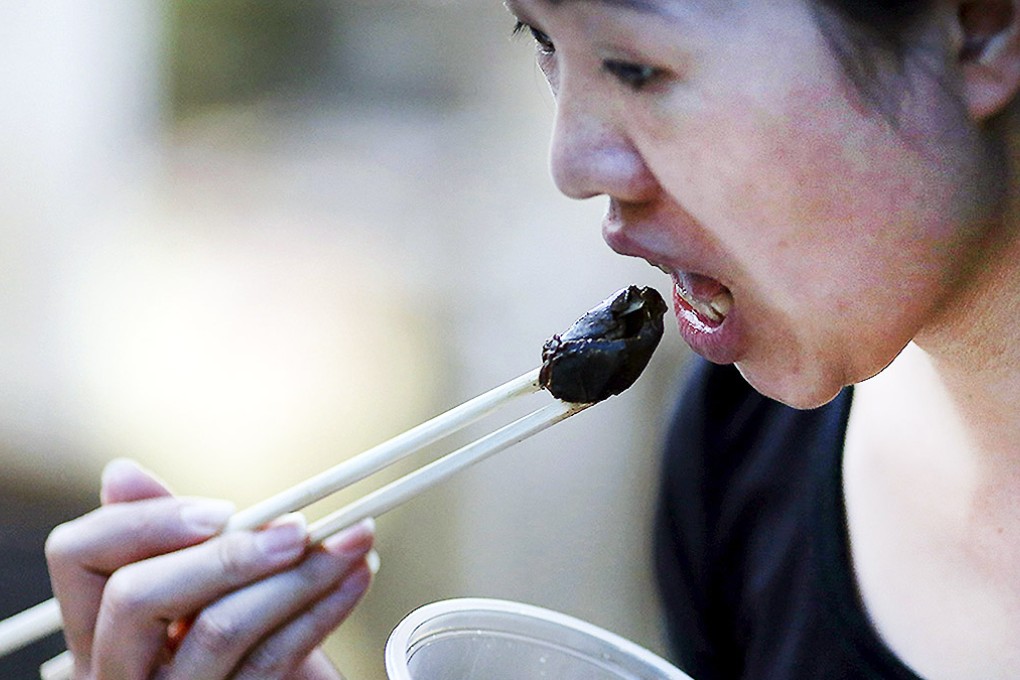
<point x="827" y="183"/>
<point x="831" y="187"/>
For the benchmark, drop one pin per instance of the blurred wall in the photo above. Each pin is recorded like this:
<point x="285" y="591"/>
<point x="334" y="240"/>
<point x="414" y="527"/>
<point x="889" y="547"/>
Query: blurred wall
<point x="307" y="227"/>
<point x="78" y="117"/>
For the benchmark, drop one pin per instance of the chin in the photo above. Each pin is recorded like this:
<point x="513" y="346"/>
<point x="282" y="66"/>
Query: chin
<point x="795" y="388"/>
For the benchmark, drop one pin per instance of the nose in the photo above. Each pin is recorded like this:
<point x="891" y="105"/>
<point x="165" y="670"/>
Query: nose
<point x="591" y="154"/>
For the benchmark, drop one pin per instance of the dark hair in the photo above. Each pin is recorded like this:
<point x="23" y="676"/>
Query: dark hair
<point x="871" y="39"/>
<point x="886" y="19"/>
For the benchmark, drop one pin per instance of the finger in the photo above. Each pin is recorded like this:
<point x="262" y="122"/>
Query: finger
<point x="124" y="480"/>
<point x="317" y="667"/>
<point x="285" y="650"/>
<point x="81" y="554"/>
<point x="142" y="598"/>
<point x="114" y="535"/>
<point x="227" y="630"/>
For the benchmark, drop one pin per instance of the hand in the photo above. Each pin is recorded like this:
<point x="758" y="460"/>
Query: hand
<point x="259" y="603"/>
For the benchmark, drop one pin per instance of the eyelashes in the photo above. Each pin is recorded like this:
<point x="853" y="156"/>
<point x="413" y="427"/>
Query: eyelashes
<point x="545" y="44"/>
<point x="633" y="75"/>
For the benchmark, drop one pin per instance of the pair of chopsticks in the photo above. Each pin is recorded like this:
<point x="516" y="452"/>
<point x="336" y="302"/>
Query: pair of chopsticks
<point x="44" y="619"/>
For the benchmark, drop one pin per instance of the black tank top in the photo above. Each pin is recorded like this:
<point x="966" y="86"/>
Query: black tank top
<point x="751" y="540"/>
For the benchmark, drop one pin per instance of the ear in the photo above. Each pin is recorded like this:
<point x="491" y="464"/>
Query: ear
<point x="989" y="54"/>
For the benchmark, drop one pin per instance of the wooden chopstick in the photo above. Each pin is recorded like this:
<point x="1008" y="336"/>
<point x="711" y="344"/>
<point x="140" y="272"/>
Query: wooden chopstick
<point x="385" y="454"/>
<point x="30" y="625"/>
<point x="60" y="667"/>
<point x="37" y="622"/>
<point x="428" y="476"/>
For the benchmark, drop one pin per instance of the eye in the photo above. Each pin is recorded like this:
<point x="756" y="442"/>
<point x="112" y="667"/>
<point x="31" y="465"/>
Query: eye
<point x="545" y="44"/>
<point x="634" y="76"/>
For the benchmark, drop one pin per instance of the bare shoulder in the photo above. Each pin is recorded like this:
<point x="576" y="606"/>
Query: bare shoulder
<point x="929" y="558"/>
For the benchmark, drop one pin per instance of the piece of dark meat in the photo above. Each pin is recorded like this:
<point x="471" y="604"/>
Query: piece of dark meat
<point x="604" y="351"/>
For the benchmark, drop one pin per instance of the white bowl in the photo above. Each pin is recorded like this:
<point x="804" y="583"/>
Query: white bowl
<point x="480" y="639"/>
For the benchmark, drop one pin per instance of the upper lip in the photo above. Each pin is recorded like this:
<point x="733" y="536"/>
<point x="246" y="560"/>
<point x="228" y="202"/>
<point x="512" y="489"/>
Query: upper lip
<point x="619" y="232"/>
<point x="632" y="230"/>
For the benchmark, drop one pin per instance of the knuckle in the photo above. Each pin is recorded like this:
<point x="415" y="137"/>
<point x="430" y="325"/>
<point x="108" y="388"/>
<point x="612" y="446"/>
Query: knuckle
<point x="217" y="632"/>
<point x="318" y="570"/>
<point x="148" y="519"/>
<point x="61" y="544"/>
<point x="234" y="552"/>
<point x="127" y="593"/>
<point x="321" y="570"/>
<point x="265" y="662"/>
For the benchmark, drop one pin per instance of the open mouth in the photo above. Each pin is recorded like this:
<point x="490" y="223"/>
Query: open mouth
<point x="707" y="298"/>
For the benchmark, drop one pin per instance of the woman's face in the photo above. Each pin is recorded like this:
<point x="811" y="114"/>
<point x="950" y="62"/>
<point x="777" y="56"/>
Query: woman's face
<point x="808" y="238"/>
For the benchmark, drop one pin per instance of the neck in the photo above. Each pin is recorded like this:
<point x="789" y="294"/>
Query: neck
<point x="974" y="346"/>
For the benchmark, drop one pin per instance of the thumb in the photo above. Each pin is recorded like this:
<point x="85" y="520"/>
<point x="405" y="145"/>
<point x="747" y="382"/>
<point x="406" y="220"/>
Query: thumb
<point x="124" y="480"/>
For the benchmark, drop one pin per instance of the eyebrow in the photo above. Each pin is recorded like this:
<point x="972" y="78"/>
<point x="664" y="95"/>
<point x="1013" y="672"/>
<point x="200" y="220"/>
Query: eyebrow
<point x="643" y="6"/>
<point x="637" y="5"/>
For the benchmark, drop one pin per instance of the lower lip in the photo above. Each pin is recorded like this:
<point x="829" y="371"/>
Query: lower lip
<point x="717" y="342"/>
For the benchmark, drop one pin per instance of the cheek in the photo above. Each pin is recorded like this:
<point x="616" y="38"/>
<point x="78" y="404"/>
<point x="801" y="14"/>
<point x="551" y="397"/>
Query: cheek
<point x="805" y="187"/>
<point x="833" y="226"/>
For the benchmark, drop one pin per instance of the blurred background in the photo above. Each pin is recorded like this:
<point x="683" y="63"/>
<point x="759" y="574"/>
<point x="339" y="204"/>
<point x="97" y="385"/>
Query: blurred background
<point x="243" y="240"/>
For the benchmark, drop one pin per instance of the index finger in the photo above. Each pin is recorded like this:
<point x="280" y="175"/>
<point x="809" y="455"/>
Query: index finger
<point x="84" y="552"/>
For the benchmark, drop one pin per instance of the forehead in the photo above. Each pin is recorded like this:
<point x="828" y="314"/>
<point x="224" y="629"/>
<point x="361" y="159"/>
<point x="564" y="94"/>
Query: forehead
<point x="669" y="9"/>
<point x="638" y="5"/>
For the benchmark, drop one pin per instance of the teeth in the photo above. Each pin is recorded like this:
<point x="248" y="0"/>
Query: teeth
<point x="721" y="304"/>
<point x="715" y="310"/>
<point x="709" y="313"/>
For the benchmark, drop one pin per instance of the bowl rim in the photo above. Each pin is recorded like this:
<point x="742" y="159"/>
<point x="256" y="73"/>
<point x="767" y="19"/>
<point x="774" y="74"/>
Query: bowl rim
<point x="403" y="638"/>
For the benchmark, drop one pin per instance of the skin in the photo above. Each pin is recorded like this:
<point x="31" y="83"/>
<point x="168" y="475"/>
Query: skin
<point x="259" y="603"/>
<point x="853" y="243"/>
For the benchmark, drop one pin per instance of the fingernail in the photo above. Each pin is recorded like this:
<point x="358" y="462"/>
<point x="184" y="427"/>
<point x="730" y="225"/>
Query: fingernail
<point x="353" y="541"/>
<point x="124" y="479"/>
<point x="373" y="561"/>
<point x="206" y="517"/>
<point x="113" y="471"/>
<point x="119" y="466"/>
<point x="284" y="539"/>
